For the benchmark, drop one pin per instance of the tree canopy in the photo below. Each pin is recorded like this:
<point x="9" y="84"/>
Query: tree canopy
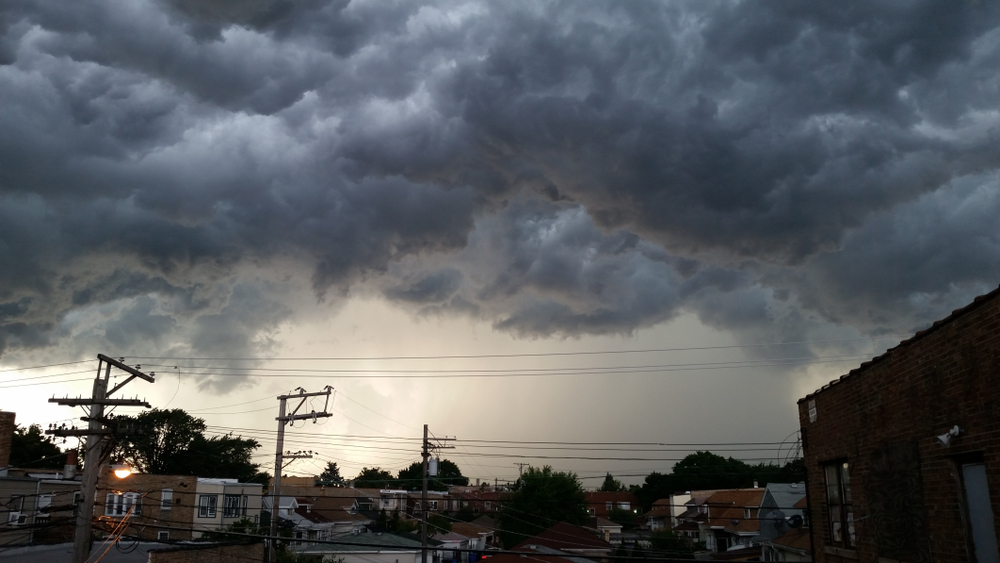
<point x="173" y="442"/>
<point x="543" y="497"/>
<point x="374" y="478"/>
<point x="448" y="474"/>
<point x="705" y="470"/>
<point x="30" y="447"/>
<point x="612" y="485"/>
<point x="331" y="475"/>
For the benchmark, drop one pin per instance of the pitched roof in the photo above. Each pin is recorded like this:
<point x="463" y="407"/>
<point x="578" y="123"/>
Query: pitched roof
<point x="660" y="509"/>
<point x="957" y="313"/>
<point x="725" y="507"/>
<point x="784" y="495"/>
<point x="469" y="529"/>
<point x="796" y="538"/>
<point x="566" y="537"/>
<point x="314" y="517"/>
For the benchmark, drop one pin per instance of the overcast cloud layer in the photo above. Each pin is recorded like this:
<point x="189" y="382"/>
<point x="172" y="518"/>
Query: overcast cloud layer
<point x="182" y="177"/>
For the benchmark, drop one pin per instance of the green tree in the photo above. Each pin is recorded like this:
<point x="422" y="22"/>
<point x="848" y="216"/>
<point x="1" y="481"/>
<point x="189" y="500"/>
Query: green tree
<point x="166" y="435"/>
<point x="626" y="518"/>
<point x="31" y="448"/>
<point x="374" y="478"/>
<point x="448" y="474"/>
<point x="543" y="498"/>
<point x="331" y="475"/>
<point x="705" y="470"/>
<point x="611" y="485"/>
<point x="173" y="442"/>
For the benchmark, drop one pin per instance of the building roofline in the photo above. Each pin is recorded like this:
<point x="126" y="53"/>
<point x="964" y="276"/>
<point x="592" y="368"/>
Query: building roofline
<point x="978" y="302"/>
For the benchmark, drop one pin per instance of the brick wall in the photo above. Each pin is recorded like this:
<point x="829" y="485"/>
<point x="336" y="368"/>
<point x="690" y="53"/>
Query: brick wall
<point x="177" y="520"/>
<point x="6" y="436"/>
<point x="215" y="554"/>
<point x="883" y="419"/>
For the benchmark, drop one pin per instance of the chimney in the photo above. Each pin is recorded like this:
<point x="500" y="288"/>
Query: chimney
<point x="755" y="484"/>
<point x="6" y="437"/>
<point x="69" y="470"/>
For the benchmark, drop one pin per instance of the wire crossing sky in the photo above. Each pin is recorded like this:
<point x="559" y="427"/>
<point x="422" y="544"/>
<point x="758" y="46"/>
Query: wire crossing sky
<point x="693" y="211"/>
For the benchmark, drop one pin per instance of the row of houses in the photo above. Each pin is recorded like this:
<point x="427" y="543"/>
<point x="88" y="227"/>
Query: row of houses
<point x="902" y="458"/>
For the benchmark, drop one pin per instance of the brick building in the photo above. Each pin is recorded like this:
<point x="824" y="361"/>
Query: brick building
<point x="174" y="507"/>
<point x="886" y="479"/>
<point x="6" y="436"/>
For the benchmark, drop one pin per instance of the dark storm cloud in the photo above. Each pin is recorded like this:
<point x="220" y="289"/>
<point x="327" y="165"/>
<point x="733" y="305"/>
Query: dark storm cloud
<point x="553" y="168"/>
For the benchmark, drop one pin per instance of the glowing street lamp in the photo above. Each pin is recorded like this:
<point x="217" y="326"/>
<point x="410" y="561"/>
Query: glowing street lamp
<point x="121" y="470"/>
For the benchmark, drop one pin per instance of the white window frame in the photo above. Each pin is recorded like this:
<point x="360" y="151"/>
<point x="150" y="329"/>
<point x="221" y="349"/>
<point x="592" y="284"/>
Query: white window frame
<point x="163" y="535"/>
<point x="432" y="505"/>
<point x="208" y="506"/>
<point x="166" y="499"/>
<point x="118" y="504"/>
<point x="839" y="504"/>
<point x="16" y="518"/>
<point x="233" y="506"/>
<point x="44" y="502"/>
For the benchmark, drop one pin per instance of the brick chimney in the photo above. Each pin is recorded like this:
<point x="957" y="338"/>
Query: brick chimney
<point x="69" y="470"/>
<point x="6" y="437"/>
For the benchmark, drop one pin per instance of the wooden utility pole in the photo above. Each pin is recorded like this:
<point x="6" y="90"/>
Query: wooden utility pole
<point x="98" y="429"/>
<point x="280" y="457"/>
<point x="425" y="453"/>
<point x="423" y="501"/>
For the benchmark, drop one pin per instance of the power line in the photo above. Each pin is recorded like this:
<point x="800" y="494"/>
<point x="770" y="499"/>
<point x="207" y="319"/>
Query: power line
<point x="513" y="355"/>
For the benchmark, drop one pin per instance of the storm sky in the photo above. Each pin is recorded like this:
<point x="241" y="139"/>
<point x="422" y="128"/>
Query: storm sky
<point x="259" y="179"/>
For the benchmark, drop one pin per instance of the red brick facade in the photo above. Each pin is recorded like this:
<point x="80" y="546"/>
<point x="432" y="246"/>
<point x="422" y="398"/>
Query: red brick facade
<point x="6" y="437"/>
<point x="883" y="419"/>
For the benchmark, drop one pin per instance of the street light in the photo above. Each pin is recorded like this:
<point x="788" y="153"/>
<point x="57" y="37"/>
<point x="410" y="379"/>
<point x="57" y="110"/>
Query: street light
<point x="121" y="470"/>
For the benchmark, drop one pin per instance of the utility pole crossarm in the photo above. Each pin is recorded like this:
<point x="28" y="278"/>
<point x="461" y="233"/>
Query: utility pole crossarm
<point x="103" y="402"/>
<point x="280" y="457"/>
<point x="135" y="372"/>
<point x="68" y="432"/>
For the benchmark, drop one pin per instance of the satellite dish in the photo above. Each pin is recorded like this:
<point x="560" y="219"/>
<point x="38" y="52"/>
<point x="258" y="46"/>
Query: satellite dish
<point x="795" y="521"/>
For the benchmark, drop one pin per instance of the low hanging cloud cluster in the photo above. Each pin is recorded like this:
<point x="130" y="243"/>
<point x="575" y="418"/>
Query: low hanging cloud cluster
<point x="175" y="175"/>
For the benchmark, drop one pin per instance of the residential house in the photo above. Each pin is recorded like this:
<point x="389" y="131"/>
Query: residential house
<point x="37" y="509"/>
<point x="36" y="506"/>
<point x="437" y="501"/>
<point x="660" y="515"/>
<point x="731" y="519"/>
<point x="344" y="512"/>
<point x="174" y="507"/>
<point x="488" y="502"/>
<point x="780" y="508"/>
<point x="605" y="529"/>
<point x="481" y="533"/>
<point x="695" y="513"/>
<point x="602" y="504"/>
<point x="568" y="539"/>
<point x="903" y="453"/>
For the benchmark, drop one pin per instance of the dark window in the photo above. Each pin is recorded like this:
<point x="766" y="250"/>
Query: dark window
<point x="232" y="506"/>
<point x="979" y="513"/>
<point x="207" y="505"/>
<point x="840" y="508"/>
